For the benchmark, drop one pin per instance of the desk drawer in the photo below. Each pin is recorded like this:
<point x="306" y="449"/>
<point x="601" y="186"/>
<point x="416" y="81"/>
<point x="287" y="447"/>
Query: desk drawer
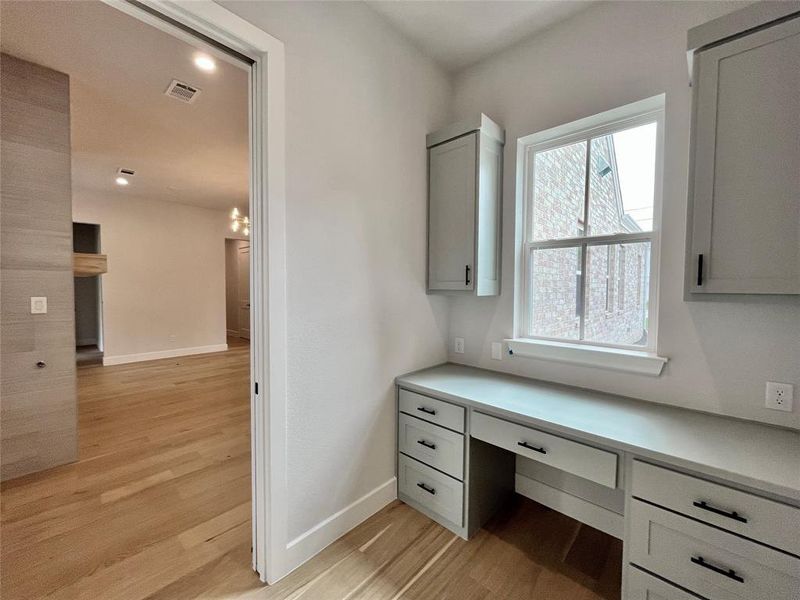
<point x="643" y="586"/>
<point x="433" y="410"/>
<point x="435" y="491"/>
<point x="440" y="448"/>
<point x="754" y="517"/>
<point x="579" y="459"/>
<point x="709" y="561"/>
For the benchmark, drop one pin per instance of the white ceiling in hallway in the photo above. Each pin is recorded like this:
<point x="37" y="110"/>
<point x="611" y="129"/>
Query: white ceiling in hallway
<point x="458" y="33"/>
<point x="119" y="69"/>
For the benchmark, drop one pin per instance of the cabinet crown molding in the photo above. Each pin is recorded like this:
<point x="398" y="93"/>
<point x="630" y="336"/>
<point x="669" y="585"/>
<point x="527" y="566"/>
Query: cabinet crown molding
<point x="480" y="123"/>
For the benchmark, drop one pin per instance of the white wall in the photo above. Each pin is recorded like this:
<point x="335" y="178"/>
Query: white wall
<point x="721" y="353"/>
<point x="165" y="286"/>
<point x="359" y="101"/>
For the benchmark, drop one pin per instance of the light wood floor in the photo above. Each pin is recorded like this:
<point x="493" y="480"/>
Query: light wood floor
<point x="158" y="508"/>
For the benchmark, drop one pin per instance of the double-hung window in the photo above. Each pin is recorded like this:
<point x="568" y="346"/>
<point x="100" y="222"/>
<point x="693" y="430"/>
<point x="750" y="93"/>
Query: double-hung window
<point x="591" y="193"/>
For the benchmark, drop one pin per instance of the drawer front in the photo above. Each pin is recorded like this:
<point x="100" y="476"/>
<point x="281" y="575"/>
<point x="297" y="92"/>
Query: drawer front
<point x="433" y="410"/>
<point x="760" y="519"/>
<point x="435" y="491"/>
<point x="579" y="459"/>
<point x="709" y="561"/>
<point x="440" y="448"/>
<point x="643" y="586"/>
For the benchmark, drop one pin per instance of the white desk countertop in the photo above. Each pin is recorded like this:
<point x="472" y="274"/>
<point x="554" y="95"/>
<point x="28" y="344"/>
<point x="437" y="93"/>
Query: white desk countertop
<point x="751" y="454"/>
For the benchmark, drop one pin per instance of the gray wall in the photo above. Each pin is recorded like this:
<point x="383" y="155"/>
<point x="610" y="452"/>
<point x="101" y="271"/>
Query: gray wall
<point x="38" y="405"/>
<point x="721" y="353"/>
<point x="360" y="100"/>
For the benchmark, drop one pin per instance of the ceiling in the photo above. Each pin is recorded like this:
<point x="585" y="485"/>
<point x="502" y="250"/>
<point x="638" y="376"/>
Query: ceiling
<point x="458" y="33"/>
<point x="119" y="68"/>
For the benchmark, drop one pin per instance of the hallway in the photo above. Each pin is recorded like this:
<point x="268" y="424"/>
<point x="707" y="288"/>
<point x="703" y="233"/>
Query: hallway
<point x="161" y="490"/>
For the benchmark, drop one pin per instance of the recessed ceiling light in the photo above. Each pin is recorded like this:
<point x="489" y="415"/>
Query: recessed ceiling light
<point x="121" y="181"/>
<point x="205" y="62"/>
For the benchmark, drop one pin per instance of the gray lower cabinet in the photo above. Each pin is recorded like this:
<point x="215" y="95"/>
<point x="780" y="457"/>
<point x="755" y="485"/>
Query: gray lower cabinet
<point x="644" y="586"/>
<point x="744" y="197"/>
<point x="454" y="479"/>
<point x="718" y="542"/>
<point x="465" y="170"/>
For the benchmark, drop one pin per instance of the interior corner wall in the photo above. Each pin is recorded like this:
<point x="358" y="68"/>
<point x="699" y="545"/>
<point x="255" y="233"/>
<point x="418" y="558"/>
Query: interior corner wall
<point x="38" y="424"/>
<point x="360" y="100"/>
<point x="720" y="353"/>
<point x="164" y="291"/>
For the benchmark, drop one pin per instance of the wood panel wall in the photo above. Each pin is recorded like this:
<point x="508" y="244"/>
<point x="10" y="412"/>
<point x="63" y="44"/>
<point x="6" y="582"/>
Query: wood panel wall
<point x="38" y="406"/>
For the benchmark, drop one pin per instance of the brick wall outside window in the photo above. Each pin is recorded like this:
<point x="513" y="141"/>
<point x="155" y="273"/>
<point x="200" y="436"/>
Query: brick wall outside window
<point x="559" y="179"/>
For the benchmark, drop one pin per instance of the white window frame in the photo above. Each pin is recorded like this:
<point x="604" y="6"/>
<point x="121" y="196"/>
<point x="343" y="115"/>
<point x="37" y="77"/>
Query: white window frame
<point x="650" y="110"/>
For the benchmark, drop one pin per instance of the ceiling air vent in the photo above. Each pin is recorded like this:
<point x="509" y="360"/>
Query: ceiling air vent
<point x="182" y="91"/>
<point x="123" y="172"/>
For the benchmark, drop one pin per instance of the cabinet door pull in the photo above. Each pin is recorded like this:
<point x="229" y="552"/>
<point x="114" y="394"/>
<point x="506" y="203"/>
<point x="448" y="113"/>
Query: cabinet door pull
<point x="729" y="573"/>
<point x="427" y="411"/>
<point x="699" y="269"/>
<point x="717" y="511"/>
<point x="427" y="488"/>
<point x="427" y="444"/>
<point x="466" y="274"/>
<point x="534" y="448"/>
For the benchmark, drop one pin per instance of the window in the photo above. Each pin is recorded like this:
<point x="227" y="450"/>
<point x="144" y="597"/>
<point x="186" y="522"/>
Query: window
<point x="591" y="193"/>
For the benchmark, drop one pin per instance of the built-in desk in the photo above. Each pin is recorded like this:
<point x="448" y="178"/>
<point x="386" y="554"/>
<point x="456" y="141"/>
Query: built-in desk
<point x="704" y="503"/>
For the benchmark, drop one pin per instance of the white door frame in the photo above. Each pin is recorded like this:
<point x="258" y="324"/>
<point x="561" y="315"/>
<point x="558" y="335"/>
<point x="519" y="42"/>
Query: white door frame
<point x="267" y="256"/>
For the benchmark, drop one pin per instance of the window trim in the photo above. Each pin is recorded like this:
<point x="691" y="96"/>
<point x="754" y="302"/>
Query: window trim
<point x="637" y="113"/>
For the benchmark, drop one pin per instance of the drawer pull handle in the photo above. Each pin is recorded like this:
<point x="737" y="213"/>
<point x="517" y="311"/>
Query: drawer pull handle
<point x="427" y="444"/>
<point x="729" y="573"/>
<point x="534" y="448"/>
<point x="731" y="515"/>
<point x="427" y="411"/>
<point x="427" y="488"/>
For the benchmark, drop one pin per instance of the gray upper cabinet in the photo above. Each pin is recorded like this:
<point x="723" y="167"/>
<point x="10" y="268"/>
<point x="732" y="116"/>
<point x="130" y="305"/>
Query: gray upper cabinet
<point x="465" y="167"/>
<point x="744" y="198"/>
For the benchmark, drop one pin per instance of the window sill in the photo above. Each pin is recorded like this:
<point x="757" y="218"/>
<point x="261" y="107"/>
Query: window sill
<point x="615" y="359"/>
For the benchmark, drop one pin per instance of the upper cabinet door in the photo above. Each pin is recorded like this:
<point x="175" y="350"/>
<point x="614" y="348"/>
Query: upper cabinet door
<point x="745" y="190"/>
<point x="451" y="211"/>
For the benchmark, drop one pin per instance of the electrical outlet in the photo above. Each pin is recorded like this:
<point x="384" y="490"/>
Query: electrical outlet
<point x="458" y="346"/>
<point x="38" y="305"/>
<point x="780" y="396"/>
<point x="497" y="351"/>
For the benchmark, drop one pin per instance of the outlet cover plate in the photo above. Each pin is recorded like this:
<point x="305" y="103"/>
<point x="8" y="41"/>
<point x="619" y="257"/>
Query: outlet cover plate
<point x="780" y="396"/>
<point x="497" y="350"/>
<point x="458" y="346"/>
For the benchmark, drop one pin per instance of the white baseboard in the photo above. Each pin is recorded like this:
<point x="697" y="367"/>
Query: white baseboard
<point x="572" y="506"/>
<point x="319" y="537"/>
<point x="130" y="358"/>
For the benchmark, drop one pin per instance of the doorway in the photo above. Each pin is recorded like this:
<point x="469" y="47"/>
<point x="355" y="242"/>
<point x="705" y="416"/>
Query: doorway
<point x="89" y="265"/>
<point x="237" y="289"/>
<point x="255" y="362"/>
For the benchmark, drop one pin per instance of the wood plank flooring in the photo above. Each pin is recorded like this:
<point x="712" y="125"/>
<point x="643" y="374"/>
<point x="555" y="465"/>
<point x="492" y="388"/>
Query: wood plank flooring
<point x="158" y="507"/>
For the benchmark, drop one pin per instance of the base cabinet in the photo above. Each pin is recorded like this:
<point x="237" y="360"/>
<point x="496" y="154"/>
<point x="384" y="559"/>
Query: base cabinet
<point x="643" y="586"/>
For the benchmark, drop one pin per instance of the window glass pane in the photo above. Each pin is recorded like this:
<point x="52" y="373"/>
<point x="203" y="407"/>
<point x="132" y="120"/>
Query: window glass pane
<point x="617" y="285"/>
<point x="558" y="192"/>
<point x="622" y="181"/>
<point x="555" y="284"/>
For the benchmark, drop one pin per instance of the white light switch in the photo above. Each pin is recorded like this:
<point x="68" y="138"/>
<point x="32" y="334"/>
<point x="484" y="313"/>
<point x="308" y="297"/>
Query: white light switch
<point x="497" y="350"/>
<point x="38" y="305"/>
